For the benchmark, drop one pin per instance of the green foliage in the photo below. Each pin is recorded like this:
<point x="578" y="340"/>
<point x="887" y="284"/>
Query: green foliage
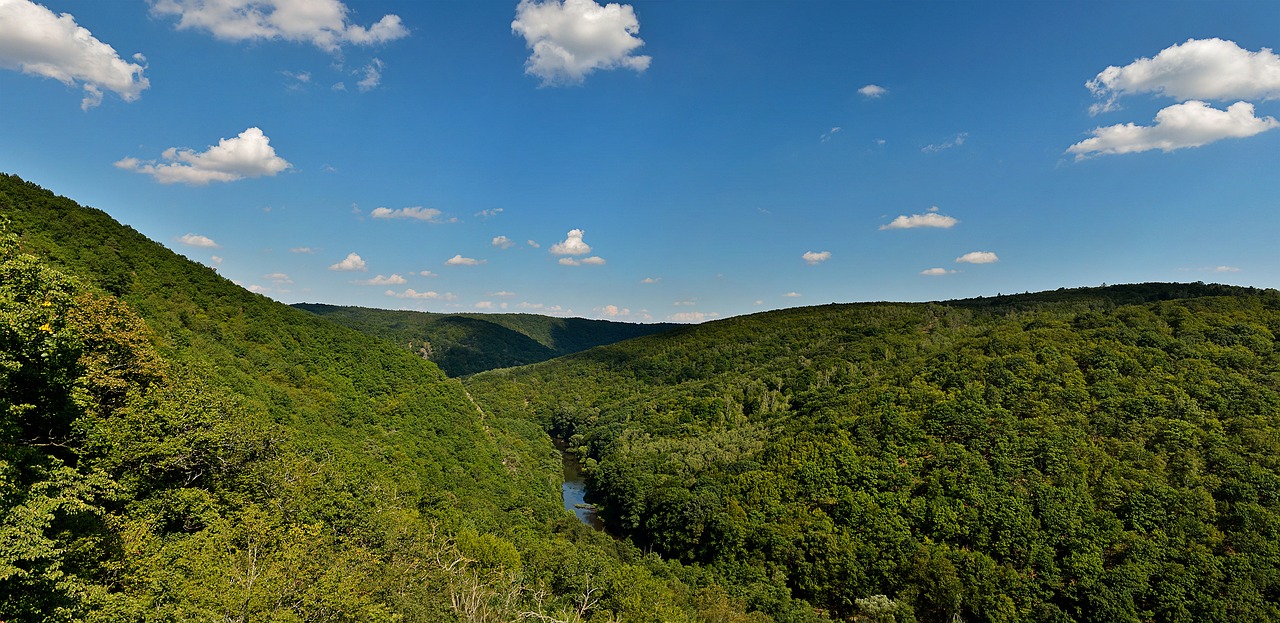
<point x="1087" y="455"/>
<point x="174" y="448"/>
<point x="464" y="344"/>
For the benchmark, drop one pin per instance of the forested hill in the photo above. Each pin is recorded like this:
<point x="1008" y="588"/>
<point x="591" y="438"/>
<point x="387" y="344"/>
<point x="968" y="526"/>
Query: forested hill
<point x="463" y="344"/>
<point x="176" y="448"/>
<point x="1100" y="454"/>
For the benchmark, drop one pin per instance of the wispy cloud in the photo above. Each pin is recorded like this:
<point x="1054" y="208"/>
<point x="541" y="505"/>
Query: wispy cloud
<point x="956" y="141"/>
<point x="812" y="258"/>
<point x="978" y="257"/>
<point x="410" y="293"/>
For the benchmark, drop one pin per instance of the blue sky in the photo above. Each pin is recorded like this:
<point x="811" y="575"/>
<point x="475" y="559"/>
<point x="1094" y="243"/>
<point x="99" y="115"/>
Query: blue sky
<point x="660" y="161"/>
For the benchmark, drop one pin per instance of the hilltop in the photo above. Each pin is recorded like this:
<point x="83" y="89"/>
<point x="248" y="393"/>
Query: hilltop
<point x="464" y="344"/>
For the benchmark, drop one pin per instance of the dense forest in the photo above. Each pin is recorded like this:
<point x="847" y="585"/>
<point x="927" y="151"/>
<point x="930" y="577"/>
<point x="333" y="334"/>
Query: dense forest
<point x="176" y="448"/>
<point x="1108" y="454"/>
<point x="463" y="344"/>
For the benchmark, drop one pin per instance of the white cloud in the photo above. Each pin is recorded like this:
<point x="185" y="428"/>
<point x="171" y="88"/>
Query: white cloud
<point x="458" y="260"/>
<point x="872" y="91"/>
<point x="534" y="244"/>
<point x="613" y="311"/>
<point x="1189" y="124"/>
<point x="594" y="260"/>
<point x="937" y="147"/>
<point x="196" y="240"/>
<point x="685" y="303"/>
<point x="322" y="23"/>
<point x="572" y="245"/>
<point x="758" y="302"/>
<point x="694" y="317"/>
<point x="502" y="294"/>
<point x="812" y="258"/>
<point x="217" y="259"/>
<point x="572" y="38"/>
<point x="372" y="76"/>
<point x="1225" y="269"/>
<point x="937" y="272"/>
<point x="248" y="155"/>
<point x="484" y="305"/>
<point x="278" y="278"/>
<point x="351" y="262"/>
<point x="792" y="295"/>
<point x="420" y="213"/>
<point x="393" y="280"/>
<point x="829" y="134"/>
<point x="978" y="257"/>
<point x="651" y="280"/>
<point x="427" y="273"/>
<point x="257" y="289"/>
<point x="302" y="250"/>
<point x="528" y="305"/>
<point x="503" y="242"/>
<point x="929" y="219"/>
<point x="490" y="212"/>
<point x="35" y="41"/>
<point x="410" y="293"/>
<point x="1198" y="69"/>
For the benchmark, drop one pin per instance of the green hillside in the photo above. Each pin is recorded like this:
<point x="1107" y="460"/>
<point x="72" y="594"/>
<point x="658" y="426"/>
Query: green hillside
<point x="1106" y="454"/>
<point x="464" y="344"/>
<point x="175" y="448"/>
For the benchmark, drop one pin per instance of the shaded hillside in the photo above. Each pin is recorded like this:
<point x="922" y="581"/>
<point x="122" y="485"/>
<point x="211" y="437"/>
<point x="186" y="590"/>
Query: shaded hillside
<point x="173" y="447"/>
<point x="1099" y="454"/>
<point x="464" y="344"/>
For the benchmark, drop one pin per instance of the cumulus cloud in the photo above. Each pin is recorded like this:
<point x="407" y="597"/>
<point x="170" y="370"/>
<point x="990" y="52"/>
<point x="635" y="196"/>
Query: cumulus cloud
<point x="322" y="23"/>
<point x="196" y="240"/>
<point x="811" y="258"/>
<point x="35" y="41"/>
<point x="572" y="244"/>
<point x="1189" y="124"/>
<point x="281" y="278"/>
<point x="1198" y="69"/>
<point x="978" y="257"/>
<point x="431" y="215"/>
<point x="248" y="155"/>
<point x="937" y="272"/>
<point x="484" y="305"/>
<point x="458" y="260"/>
<point x="929" y="219"/>
<point x="534" y="244"/>
<point x="410" y="293"/>
<point x="427" y="273"/>
<point x="570" y="39"/>
<point x="393" y="280"/>
<point x="693" y="317"/>
<point x="954" y="142"/>
<point x="872" y="91"/>
<point x="351" y="262"/>
<point x="503" y="242"/>
<point x="594" y="260"/>
<point x="613" y="311"/>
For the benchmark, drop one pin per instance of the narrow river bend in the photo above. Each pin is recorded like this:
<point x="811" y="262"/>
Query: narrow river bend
<point x="574" y="489"/>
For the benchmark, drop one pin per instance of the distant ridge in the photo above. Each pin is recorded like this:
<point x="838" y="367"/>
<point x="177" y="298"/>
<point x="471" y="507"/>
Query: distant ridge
<point x="464" y="344"/>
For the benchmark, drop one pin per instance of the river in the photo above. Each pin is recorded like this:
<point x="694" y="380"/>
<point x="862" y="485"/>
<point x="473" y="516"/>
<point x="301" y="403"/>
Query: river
<point x="574" y="489"/>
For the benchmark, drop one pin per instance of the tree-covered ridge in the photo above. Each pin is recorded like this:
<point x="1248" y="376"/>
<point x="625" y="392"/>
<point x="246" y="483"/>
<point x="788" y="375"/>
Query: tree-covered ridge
<point x="174" y="448"/>
<point x="464" y="344"/>
<point x="1106" y="454"/>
